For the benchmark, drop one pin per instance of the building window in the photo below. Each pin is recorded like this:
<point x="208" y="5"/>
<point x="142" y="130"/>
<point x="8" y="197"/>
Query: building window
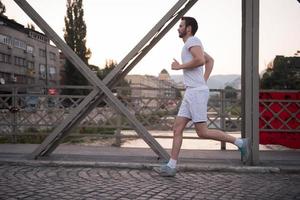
<point x="5" y="77"/>
<point x="52" y="72"/>
<point x="30" y="64"/>
<point x="4" y="58"/>
<point x="37" y="36"/>
<point x="2" y="81"/>
<point x="30" y="68"/>
<point x="42" y="71"/>
<point x="52" y="56"/>
<point x="20" y="61"/>
<point x="30" y="80"/>
<point x="30" y="49"/>
<point x="5" y="39"/>
<point x="19" y="44"/>
<point x="42" y="53"/>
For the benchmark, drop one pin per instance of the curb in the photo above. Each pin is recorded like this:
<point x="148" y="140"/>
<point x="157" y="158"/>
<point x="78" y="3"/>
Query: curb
<point x="149" y="166"/>
<point x="237" y="169"/>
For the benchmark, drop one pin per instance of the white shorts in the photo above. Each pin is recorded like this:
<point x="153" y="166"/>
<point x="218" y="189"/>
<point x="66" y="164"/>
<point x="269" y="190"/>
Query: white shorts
<point x="194" y="105"/>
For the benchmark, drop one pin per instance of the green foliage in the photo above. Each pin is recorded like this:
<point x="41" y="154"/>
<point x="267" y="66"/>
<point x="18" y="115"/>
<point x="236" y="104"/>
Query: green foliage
<point x="283" y="75"/>
<point x="234" y="110"/>
<point x="230" y="92"/>
<point x="74" y="77"/>
<point x="75" y="37"/>
<point x="178" y="94"/>
<point x="2" y="8"/>
<point x="109" y="66"/>
<point x="23" y="139"/>
<point x="33" y="135"/>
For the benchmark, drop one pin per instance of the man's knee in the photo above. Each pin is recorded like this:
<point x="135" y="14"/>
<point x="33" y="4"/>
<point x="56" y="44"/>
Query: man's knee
<point x="201" y="130"/>
<point x="202" y="134"/>
<point x="179" y="125"/>
<point x="178" y="129"/>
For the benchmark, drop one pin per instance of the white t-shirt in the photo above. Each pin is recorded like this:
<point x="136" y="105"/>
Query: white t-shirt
<point x="193" y="78"/>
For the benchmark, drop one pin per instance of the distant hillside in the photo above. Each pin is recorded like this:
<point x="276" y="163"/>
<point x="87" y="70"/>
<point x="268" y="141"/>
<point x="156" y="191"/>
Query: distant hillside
<point x="217" y="81"/>
<point x="236" y="83"/>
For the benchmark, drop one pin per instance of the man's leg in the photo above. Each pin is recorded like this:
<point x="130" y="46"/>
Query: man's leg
<point x="203" y="132"/>
<point x="242" y="144"/>
<point x="179" y="125"/>
<point x="169" y="169"/>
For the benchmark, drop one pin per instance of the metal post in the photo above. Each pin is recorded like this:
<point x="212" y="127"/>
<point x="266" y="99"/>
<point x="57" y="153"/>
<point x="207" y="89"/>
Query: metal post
<point x="14" y="115"/>
<point x="250" y="76"/>
<point x="222" y="116"/>
<point x="118" y="131"/>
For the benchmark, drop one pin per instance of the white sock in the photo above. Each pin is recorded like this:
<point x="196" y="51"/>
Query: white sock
<point x="238" y="142"/>
<point x="172" y="163"/>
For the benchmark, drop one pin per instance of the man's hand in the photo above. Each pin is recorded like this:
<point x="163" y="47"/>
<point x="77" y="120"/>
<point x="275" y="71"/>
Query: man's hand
<point x="175" y="65"/>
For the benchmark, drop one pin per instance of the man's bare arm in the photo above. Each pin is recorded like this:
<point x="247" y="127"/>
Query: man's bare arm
<point x="209" y="63"/>
<point x="198" y="59"/>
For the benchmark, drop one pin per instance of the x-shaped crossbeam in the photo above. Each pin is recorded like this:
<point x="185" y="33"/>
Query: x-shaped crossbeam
<point x="102" y="91"/>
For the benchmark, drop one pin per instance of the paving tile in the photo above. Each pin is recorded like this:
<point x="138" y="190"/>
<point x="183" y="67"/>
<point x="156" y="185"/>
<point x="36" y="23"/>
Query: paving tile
<point x="46" y="182"/>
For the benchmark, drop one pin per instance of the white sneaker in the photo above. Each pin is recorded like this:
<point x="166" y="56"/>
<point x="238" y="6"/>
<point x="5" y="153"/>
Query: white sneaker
<point x="166" y="171"/>
<point x="245" y="150"/>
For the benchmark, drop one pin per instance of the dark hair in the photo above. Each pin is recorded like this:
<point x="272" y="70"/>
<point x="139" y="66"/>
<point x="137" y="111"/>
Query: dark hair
<point x="190" y="21"/>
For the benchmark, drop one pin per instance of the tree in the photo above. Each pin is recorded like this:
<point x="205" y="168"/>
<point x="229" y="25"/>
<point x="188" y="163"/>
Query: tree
<point x="75" y="37"/>
<point x="123" y="84"/>
<point x="108" y="67"/>
<point x="284" y="74"/>
<point x="2" y="8"/>
<point x="230" y="92"/>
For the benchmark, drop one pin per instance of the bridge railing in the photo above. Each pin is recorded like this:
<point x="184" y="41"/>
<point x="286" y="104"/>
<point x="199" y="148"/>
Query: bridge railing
<point x="35" y="110"/>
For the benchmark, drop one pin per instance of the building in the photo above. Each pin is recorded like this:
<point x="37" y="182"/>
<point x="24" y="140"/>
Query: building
<point x="26" y="56"/>
<point x="164" y="75"/>
<point x="62" y="69"/>
<point x="151" y="87"/>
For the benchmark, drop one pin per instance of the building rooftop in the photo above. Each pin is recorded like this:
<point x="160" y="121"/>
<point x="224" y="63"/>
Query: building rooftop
<point x="5" y="21"/>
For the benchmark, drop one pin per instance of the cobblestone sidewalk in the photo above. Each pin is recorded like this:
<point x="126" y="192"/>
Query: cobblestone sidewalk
<point x="44" y="182"/>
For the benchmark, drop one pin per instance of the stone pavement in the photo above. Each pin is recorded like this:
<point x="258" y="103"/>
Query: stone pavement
<point x="46" y="182"/>
<point x="93" y="172"/>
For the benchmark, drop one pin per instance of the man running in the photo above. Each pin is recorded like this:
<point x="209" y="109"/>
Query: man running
<point x="194" y="103"/>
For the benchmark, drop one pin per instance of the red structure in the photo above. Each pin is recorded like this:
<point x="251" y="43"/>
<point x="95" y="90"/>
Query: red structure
<point x="279" y="120"/>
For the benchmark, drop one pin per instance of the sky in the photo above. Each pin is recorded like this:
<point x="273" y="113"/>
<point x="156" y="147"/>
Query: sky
<point x="114" y="27"/>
